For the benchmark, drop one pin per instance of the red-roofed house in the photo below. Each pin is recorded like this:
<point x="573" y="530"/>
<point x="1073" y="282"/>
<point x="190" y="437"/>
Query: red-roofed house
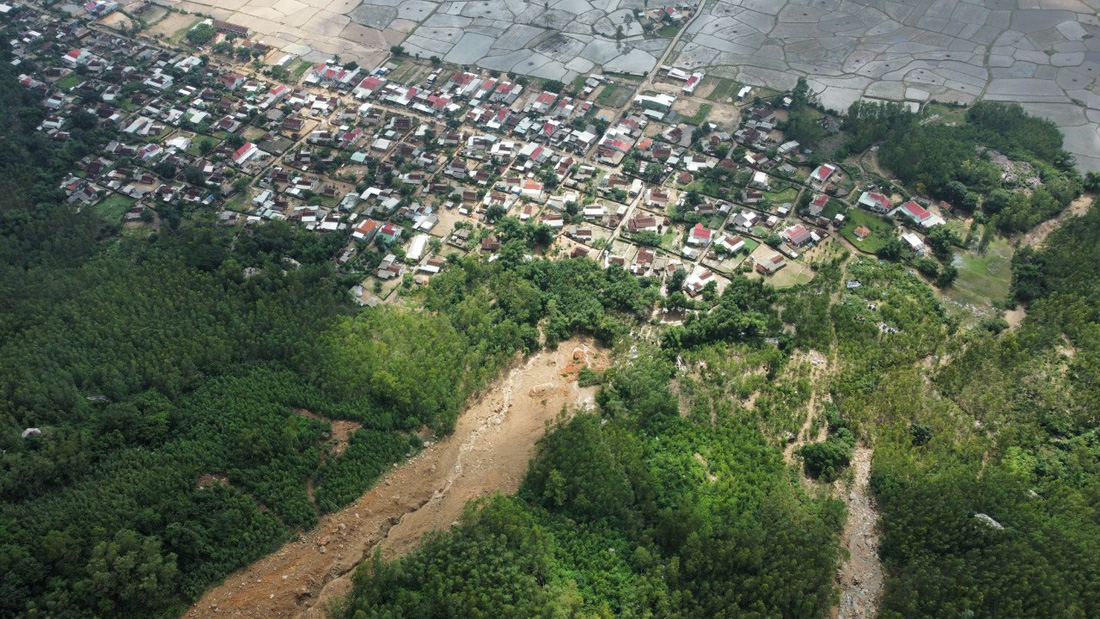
<point x="700" y="235"/>
<point x="875" y="202"/>
<point x="76" y="57"/>
<point x="245" y="153"/>
<point x="532" y="189"/>
<point x="917" y="214"/>
<point x="818" y="204"/>
<point x="389" y="232"/>
<point x="543" y="102"/>
<point x="366" y="230"/>
<point x="821" y="175"/>
<point x="797" y="236"/>
<point x="369" y="86"/>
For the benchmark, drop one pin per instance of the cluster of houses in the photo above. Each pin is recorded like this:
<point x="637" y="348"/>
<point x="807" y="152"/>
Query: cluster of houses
<point x="407" y="170"/>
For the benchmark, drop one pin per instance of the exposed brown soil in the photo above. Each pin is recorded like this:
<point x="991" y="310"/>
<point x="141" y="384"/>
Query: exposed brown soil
<point x="1015" y="317"/>
<point x="342" y="429"/>
<point x="818" y="365"/>
<point x="488" y="453"/>
<point x="208" y="480"/>
<point x="860" y="578"/>
<point x="1039" y="233"/>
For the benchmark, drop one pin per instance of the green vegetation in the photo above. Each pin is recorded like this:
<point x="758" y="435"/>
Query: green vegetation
<point x="786" y="194"/>
<point x="699" y="116"/>
<point x="668" y="31"/>
<point x="1004" y="433"/>
<point x="167" y="399"/>
<point x="723" y="89"/>
<point x="613" y="95"/>
<point x="952" y="163"/>
<point x="69" y="82"/>
<point x="635" y="512"/>
<point x="153" y="366"/>
<point x="882" y="230"/>
<point x="827" y="459"/>
<point x="113" y="208"/>
<point x="985" y="277"/>
<point x="299" y="69"/>
<point x="201" y="34"/>
<point x="804" y="121"/>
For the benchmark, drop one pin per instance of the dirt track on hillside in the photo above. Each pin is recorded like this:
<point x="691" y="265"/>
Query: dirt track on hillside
<point x="488" y="452"/>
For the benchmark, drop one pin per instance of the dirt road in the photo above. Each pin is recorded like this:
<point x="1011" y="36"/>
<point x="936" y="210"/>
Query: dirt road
<point x="488" y="452"/>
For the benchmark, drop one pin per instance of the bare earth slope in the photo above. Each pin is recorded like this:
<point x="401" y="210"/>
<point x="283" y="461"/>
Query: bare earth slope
<point x="488" y="452"/>
<point x="861" y="576"/>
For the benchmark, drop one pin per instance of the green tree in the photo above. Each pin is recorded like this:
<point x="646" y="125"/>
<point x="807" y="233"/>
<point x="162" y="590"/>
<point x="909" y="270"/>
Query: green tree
<point x="201" y="34"/>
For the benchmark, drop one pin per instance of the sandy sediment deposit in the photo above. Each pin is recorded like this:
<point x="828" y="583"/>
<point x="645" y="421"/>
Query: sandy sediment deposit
<point x="488" y="452"/>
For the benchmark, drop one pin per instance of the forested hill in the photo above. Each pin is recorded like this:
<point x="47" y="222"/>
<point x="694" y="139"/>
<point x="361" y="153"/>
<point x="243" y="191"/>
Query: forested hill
<point x="130" y="368"/>
<point x="152" y="438"/>
<point x="672" y="500"/>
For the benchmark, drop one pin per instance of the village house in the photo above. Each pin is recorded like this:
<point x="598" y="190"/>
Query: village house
<point x="797" y="235"/>
<point x="914" y="242"/>
<point x="821" y="175"/>
<point x="643" y="223"/>
<point x="699" y="235"/>
<point x="770" y="265"/>
<point x="643" y="262"/>
<point x="875" y="202"/>
<point x="917" y="215"/>
<point x="732" y="244"/>
<point x="696" y="282"/>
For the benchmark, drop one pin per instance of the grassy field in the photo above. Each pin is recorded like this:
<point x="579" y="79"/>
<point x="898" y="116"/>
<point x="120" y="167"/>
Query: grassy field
<point x="113" y="208"/>
<point x="779" y="197"/>
<point x="613" y="95"/>
<point x="578" y="83"/>
<point x="700" y="116"/>
<point x="946" y="113"/>
<point x="407" y="70"/>
<point x="882" y="229"/>
<point x="668" y="31"/>
<point x="984" y="277"/>
<point x="194" y="149"/>
<point x="672" y="240"/>
<point x="832" y="208"/>
<point x="299" y="68"/>
<point x="793" y="274"/>
<point x="724" y="89"/>
<point x="179" y="35"/>
<point x="69" y="82"/>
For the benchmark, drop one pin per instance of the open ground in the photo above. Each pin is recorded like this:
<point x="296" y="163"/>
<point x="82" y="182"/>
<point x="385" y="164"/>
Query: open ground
<point x="488" y="453"/>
